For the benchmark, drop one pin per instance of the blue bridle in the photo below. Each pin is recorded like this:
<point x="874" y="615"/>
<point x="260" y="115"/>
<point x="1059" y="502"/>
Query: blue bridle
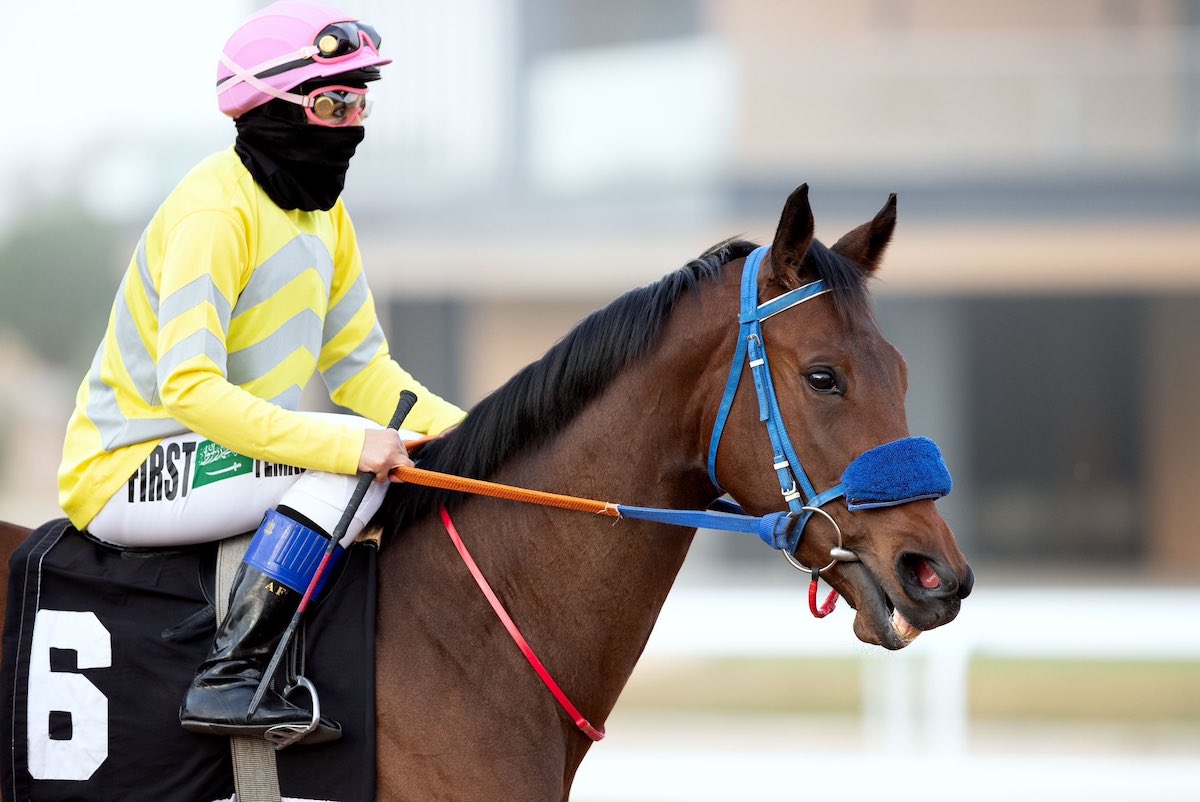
<point x="909" y="469"/>
<point x="905" y="470"/>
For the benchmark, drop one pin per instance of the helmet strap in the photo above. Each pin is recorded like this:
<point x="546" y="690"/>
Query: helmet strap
<point x="241" y="75"/>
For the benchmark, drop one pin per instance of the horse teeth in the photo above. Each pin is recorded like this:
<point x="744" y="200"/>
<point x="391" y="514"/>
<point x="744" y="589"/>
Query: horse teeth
<point x="906" y="631"/>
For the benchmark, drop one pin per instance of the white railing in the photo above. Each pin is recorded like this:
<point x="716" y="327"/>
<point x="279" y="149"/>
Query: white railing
<point x="915" y="706"/>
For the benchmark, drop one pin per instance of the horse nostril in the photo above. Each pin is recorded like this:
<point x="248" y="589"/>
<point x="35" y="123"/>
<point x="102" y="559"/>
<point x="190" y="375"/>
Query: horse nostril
<point x="923" y="576"/>
<point x="967" y="583"/>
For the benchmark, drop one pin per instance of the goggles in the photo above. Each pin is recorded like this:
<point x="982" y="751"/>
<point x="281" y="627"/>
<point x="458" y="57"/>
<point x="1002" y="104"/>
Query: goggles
<point x="334" y="43"/>
<point x="343" y="38"/>
<point x="334" y="106"/>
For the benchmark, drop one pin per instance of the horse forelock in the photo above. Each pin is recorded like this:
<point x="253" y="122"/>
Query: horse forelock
<point x="846" y="280"/>
<point x="539" y="401"/>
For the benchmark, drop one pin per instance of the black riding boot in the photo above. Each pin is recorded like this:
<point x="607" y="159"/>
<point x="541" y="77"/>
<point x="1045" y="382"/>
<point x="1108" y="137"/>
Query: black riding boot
<point x="217" y="702"/>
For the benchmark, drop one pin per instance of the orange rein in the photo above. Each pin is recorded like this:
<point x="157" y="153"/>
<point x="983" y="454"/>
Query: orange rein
<point x="445" y="481"/>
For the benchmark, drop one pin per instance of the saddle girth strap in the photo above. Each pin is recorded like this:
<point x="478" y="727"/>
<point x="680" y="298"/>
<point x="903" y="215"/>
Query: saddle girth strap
<point x="255" y="775"/>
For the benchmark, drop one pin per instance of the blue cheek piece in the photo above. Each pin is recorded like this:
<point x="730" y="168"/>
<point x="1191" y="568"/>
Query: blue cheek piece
<point x="896" y="473"/>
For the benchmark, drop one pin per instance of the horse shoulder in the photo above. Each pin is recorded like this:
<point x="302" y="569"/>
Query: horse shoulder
<point x="11" y="536"/>
<point x="456" y="716"/>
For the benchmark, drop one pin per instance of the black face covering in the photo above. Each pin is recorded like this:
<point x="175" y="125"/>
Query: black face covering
<point x="298" y="164"/>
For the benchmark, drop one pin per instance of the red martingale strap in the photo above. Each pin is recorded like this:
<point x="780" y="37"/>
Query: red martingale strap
<point x="830" y="600"/>
<point x="544" y="675"/>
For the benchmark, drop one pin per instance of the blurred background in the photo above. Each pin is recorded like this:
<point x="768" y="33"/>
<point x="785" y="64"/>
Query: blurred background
<point x="528" y="160"/>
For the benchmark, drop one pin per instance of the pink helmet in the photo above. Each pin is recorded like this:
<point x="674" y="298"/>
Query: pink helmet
<point x="284" y="45"/>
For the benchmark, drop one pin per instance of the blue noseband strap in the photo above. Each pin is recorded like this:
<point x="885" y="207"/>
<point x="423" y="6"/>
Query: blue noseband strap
<point x="910" y="469"/>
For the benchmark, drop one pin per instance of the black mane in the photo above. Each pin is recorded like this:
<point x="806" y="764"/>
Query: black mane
<point x="543" y="397"/>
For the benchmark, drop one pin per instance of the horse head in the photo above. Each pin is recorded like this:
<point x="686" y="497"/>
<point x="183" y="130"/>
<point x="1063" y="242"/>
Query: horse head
<point x="840" y="388"/>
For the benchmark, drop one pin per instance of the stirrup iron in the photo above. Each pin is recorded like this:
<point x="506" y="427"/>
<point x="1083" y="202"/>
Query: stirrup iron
<point x="281" y="736"/>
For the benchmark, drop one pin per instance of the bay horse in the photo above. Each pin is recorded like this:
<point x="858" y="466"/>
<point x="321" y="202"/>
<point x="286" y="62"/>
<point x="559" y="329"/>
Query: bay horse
<point x="623" y="408"/>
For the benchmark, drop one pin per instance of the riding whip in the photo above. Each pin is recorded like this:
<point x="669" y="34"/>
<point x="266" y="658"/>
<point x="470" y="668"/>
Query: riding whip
<point x="407" y="400"/>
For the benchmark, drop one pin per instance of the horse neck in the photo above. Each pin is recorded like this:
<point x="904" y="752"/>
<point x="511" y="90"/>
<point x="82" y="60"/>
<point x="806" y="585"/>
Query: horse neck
<point x="643" y="442"/>
<point x="586" y="588"/>
<point x="598" y="583"/>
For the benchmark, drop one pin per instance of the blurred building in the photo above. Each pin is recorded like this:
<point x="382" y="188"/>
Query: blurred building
<point x="545" y="155"/>
<point x="531" y="159"/>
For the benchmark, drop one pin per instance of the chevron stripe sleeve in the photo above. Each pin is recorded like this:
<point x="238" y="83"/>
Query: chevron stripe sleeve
<point x="192" y="379"/>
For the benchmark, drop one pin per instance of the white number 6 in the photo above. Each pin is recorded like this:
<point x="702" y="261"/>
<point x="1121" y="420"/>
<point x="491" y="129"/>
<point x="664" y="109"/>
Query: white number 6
<point x="76" y="757"/>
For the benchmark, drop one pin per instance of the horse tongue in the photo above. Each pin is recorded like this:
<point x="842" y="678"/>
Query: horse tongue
<point x="928" y="577"/>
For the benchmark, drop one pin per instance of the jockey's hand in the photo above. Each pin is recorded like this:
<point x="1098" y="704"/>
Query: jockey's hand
<point x="383" y="450"/>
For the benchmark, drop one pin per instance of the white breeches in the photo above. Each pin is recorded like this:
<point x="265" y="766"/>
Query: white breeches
<point x="190" y="490"/>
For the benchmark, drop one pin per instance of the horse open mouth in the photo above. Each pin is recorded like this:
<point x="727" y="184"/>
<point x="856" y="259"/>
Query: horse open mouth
<point x="877" y="620"/>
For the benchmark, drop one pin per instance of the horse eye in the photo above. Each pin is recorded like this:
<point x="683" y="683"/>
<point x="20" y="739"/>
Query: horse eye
<point x="823" y="381"/>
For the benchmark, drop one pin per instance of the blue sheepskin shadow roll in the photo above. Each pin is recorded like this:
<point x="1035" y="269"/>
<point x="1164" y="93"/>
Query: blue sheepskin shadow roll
<point x="895" y="473"/>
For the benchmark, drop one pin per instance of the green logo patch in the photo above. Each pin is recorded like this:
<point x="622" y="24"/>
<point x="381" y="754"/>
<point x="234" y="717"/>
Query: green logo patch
<point x="214" y="463"/>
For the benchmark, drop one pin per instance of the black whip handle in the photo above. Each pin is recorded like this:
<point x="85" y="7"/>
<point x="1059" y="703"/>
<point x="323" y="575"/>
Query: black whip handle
<point x="407" y="400"/>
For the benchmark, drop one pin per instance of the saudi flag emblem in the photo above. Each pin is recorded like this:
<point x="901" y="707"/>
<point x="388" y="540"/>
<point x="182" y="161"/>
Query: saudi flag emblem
<point x="214" y="463"/>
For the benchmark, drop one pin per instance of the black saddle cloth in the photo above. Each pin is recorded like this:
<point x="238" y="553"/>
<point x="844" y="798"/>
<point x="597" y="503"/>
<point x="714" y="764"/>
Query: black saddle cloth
<point x="99" y="646"/>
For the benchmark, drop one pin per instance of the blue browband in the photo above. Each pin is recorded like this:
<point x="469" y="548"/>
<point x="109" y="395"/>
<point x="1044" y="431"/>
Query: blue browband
<point x="894" y="473"/>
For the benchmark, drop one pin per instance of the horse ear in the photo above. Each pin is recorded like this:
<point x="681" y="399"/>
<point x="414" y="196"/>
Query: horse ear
<point x="865" y="245"/>
<point x="792" y="238"/>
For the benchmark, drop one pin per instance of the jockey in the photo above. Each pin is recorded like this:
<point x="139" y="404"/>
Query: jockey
<point x="248" y="278"/>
